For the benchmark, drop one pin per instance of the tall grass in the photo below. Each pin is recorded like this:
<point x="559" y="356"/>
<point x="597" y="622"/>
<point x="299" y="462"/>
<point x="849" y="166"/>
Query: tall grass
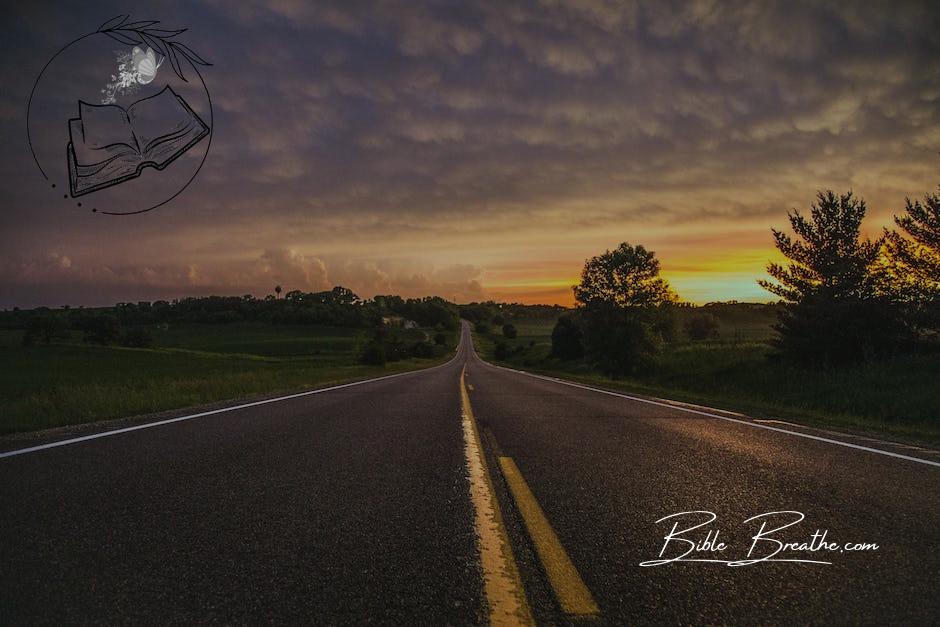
<point x="896" y="397"/>
<point x="64" y="384"/>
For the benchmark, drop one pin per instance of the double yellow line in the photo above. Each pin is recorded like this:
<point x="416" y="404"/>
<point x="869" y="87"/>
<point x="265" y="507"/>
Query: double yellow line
<point x="504" y="591"/>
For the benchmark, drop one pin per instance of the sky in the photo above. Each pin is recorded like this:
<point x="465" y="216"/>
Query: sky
<point x="473" y="150"/>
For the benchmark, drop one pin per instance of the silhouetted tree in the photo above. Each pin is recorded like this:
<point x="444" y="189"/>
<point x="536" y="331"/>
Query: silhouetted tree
<point x="833" y="312"/>
<point x="625" y="277"/>
<point x="910" y="272"/>
<point x="625" y="309"/>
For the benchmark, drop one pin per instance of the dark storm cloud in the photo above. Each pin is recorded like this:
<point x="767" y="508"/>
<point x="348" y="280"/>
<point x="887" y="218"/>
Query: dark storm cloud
<point x="390" y="140"/>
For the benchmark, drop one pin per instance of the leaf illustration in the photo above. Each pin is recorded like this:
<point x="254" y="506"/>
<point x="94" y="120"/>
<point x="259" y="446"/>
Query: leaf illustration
<point x="121" y="37"/>
<point x="192" y="56"/>
<point x="139" y="25"/>
<point x="175" y="62"/>
<point x="113" y="22"/>
<point x="153" y="42"/>
<point x="164" y="34"/>
<point x="158" y="39"/>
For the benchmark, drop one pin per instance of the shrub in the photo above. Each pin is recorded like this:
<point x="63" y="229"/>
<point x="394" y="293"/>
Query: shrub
<point x="45" y="326"/>
<point x="423" y="350"/>
<point x="102" y="330"/>
<point x="482" y="328"/>
<point x="139" y="337"/>
<point x="373" y="354"/>
<point x="501" y="351"/>
<point x="567" y="339"/>
<point x="702" y="327"/>
<point x="509" y="331"/>
<point x="440" y="339"/>
<point x="621" y="341"/>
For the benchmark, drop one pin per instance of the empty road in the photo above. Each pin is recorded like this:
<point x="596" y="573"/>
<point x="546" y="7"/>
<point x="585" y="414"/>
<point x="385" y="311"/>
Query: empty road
<point x="467" y="494"/>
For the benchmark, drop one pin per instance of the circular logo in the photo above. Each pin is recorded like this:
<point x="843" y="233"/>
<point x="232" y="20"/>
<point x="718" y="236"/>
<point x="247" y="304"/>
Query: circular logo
<point x="119" y="120"/>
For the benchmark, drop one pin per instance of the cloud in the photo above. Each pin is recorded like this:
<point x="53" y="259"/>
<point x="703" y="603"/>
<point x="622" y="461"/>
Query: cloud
<point x="351" y="136"/>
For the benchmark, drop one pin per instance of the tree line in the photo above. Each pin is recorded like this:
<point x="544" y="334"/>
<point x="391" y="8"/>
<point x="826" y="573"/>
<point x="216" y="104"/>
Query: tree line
<point x="844" y="298"/>
<point x="130" y="323"/>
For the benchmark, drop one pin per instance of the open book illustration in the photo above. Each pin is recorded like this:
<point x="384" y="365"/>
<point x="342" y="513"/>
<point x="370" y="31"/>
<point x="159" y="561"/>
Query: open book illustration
<point x="110" y="145"/>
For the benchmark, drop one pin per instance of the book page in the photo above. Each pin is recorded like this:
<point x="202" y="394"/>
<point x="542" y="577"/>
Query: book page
<point x="105" y="126"/>
<point x="160" y="118"/>
<point x="86" y="155"/>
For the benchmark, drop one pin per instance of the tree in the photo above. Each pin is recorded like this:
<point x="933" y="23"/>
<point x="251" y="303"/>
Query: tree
<point x="910" y="270"/>
<point x="832" y="311"/>
<point x="440" y="339"/>
<point x="277" y="290"/>
<point x="625" y="277"/>
<point x="510" y="332"/>
<point x="624" y="308"/>
<point x="566" y="339"/>
<point x="501" y="350"/>
<point x="702" y="327"/>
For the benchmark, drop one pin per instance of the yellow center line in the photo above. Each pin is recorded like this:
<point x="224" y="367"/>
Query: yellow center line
<point x="505" y="594"/>
<point x="573" y="596"/>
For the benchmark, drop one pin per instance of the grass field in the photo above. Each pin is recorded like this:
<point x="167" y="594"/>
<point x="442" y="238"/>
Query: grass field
<point x="60" y="384"/>
<point x="896" y="398"/>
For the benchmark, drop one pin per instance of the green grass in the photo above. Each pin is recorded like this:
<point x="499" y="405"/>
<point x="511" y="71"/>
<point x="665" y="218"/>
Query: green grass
<point x="62" y="384"/>
<point x="895" y="398"/>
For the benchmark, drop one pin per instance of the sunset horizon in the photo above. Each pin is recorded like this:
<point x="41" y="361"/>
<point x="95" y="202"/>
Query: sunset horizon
<point x="473" y="154"/>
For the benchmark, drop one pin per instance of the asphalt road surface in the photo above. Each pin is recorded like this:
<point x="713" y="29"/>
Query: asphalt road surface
<point x="353" y="505"/>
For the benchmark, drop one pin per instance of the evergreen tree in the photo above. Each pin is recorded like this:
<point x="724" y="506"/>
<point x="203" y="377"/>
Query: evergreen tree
<point x="833" y="312"/>
<point x="910" y="272"/>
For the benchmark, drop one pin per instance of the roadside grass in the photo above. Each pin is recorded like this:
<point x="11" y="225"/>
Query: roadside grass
<point x="54" y="385"/>
<point x="894" y="398"/>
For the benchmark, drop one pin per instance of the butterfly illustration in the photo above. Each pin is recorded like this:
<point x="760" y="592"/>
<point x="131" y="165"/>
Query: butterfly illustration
<point x="145" y="64"/>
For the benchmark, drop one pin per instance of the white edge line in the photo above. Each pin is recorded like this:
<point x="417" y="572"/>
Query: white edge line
<point x="104" y="434"/>
<point x="710" y="415"/>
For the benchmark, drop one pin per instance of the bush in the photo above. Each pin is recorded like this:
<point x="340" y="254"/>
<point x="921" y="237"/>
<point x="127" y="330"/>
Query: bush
<point x="440" y="339"/>
<point x="423" y="350"/>
<point x="45" y="326"/>
<point x="102" y="330"/>
<point x="373" y="354"/>
<point x="137" y="338"/>
<point x="509" y="331"/>
<point x="621" y="341"/>
<point x="501" y="351"/>
<point x="482" y="328"/>
<point x="703" y="327"/>
<point x="819" y="330"/>
<point x="567" y="339"/>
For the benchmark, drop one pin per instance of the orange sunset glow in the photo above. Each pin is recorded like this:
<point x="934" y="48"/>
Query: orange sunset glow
<point x="465" y="154"/>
